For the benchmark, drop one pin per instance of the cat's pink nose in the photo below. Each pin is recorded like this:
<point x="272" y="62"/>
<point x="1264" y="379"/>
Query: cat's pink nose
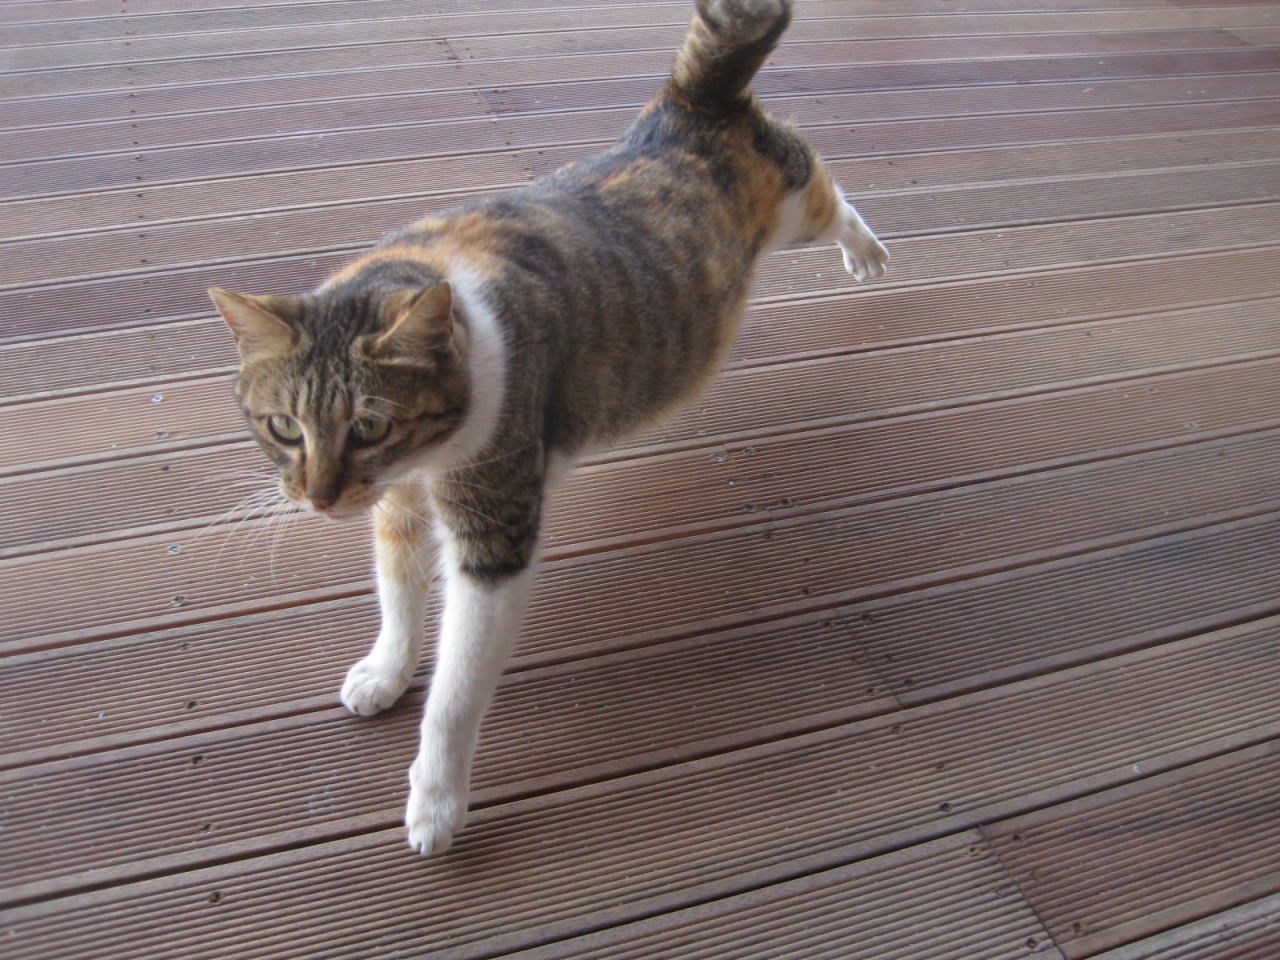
<point x="323" y="503"/>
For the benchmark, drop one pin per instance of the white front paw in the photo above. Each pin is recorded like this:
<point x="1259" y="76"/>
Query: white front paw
<point x="371" y="687"/>
<point x="436" y="811"/>
<point x="864" y="256"/>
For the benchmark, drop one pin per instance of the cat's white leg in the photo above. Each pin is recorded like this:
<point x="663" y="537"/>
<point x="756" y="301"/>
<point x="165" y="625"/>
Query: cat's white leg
<point x="477" y="633"/>
<point x="402" y="539"/>
<point x="864" y="255"/>
<point x="478" y="630"/>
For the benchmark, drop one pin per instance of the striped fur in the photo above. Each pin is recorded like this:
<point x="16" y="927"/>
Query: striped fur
<point x="506" y="336"/>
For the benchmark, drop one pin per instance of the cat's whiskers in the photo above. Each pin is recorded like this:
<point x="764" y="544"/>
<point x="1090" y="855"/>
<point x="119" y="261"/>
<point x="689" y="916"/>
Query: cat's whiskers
<point x="277" y="520"/>
<point x="261" y="505"/>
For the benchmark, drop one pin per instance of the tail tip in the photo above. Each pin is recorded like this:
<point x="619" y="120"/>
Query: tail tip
<point x="742" y="21"/>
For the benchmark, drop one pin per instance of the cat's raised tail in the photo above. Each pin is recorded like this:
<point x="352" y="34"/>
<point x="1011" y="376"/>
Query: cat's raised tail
<point x="725" y="46"/>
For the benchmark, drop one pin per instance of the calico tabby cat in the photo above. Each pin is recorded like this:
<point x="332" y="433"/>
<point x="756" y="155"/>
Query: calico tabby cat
<point x="456" y="370"/>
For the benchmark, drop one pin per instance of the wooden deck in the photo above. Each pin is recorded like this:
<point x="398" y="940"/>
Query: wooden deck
<point x="948" y="626"/>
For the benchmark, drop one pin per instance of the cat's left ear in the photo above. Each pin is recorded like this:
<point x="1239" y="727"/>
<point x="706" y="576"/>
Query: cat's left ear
<point x="419" y="324"/>
<point x="259" y="324"/>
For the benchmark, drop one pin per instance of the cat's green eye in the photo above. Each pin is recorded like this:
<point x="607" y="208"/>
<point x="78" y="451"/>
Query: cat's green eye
<point x="285" y="429"/>
<point x="367" y="431"/>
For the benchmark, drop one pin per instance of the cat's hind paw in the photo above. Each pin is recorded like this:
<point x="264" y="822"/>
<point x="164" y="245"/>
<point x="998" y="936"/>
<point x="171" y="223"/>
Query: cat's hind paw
<point x="866" y="263"/>
<point x="434" y="814"/>
<point x="864" y="255"/>
<point x="371" y="687"/>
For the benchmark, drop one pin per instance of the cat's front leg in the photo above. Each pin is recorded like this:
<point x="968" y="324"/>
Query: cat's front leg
<point x="478" y="630"/>
<point x="402" y="540"/>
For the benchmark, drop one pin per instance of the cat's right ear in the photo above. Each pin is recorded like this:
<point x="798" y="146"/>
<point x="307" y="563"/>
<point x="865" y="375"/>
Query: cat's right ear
<point x="257" y="323"/>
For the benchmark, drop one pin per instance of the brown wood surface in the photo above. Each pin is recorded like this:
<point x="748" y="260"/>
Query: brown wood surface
<point x="944" y="626"/>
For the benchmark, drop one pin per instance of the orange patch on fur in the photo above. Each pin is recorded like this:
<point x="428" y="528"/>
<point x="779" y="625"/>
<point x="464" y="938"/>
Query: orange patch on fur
<point x="821" y="204"/>
<point x="400" y="533"/>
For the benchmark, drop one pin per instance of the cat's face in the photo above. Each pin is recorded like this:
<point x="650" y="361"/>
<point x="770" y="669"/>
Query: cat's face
<point x="347" y="394"/>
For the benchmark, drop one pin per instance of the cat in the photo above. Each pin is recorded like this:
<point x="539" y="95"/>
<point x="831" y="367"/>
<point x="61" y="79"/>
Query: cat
<point x="446" y="380"/>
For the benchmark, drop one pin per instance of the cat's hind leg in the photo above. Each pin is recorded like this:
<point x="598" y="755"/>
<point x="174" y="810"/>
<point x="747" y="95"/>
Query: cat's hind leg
<point x="864" y="255"/>
<point x="403" y="544"/>
<point x="825" y="216"/>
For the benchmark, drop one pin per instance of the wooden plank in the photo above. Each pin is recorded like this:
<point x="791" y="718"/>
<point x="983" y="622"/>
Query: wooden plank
<point x="82" y="213"/>
<point x="747" y="401"/>
<point x="167" y="15"/>
<point x="982" y="631"/>
<point x="568" y="863"/>
<point x="1193" y="842"/>
<point x="1020" y="619"/>
<point x="178" y="293"/>
<point x="430" y="115"/>
<point x="872" y="318"/>
<point x="946" y="900"/>
<point x="818" y="392"/>
<point x="143" y="584"/>
<point x="548" y="729"/>
<point x="1247" y="932"/>
<point x="518" y="94"/>
<point x="185" y="493"/>
<point x="262" y="18"/>
<point x="316" y="228"/>
<point x="563" y="31"/>
<point x="995" y="629"/>
<point x="479" y="61"/>
<point x="529" y="134"/>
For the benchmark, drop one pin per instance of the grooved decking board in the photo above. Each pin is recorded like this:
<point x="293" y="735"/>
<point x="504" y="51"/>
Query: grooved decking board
<point x="37" y="178"/>
<point x="842" y="389"/>
<point x="861" y="177"/>
<point x="480" y="60"/>
<point x="926" y="644"/>
<point x="946" y="900"/>
<point x="967" y="208"/>
<point x="984" y="539"/>
<point x="874" y="316"/>
<point x="989" y="630"/>
<point x="177" y="293"/>
<point x="425" y="114"/>
<point x="1248" y="932"/>
<point x="518" y="95"/>
<point x="923" y="644"/>
<point x="744" y="402"/>
<point x="91" y="19"/>
<point x="1192" y="842"/>
<point x="211" y="487"/>
<point x="589" y="716"/>
<point x="594" y="719"/>
<point x="88" y="14"/>
<point x="185" y="491"/>
<point x="88" y="593"/>
<point x="540" y="869"/>
<point x="599" y="29"/>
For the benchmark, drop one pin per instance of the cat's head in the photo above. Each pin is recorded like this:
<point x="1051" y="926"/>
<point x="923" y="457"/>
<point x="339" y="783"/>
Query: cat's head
<point x="346" y="392"/>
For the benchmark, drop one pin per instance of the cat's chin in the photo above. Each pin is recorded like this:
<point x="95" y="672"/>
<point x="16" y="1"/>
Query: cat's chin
<point x="344" y="514"/>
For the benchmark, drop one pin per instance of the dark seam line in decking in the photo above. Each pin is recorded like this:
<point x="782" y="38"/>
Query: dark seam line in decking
<point x="759" y="878"/>
<point x="569" y="57"/>
<point x="675" y="26"/>
<point x="656" y="79"/>
<point x="484" y="121"/>
<point x="888" y="236"/>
